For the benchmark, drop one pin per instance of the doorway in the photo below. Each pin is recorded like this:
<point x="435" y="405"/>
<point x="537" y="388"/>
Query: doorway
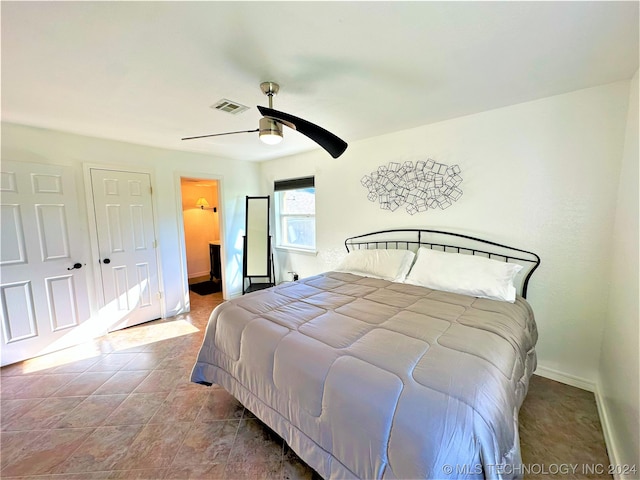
<point x="201" y="213"/>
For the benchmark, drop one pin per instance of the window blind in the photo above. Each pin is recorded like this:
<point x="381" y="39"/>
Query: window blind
<point x="293" y="184"/>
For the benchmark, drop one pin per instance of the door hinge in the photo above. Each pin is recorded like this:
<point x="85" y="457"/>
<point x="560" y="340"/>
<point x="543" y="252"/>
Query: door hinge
<point x="155" y="244"/>
<point x="150" y="189"/>
<point x="160" y="295"/>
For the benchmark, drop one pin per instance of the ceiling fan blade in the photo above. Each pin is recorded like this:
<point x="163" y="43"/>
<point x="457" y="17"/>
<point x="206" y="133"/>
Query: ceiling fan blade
<point x="220" y="134"/>
<point x="327" y="140"/>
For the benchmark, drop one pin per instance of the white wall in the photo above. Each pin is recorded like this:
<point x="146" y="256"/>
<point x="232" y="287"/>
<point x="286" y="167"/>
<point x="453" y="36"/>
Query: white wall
<point x="618" y="388"/>
<point x="237" y="179"/>
<point x="542" y="176"/>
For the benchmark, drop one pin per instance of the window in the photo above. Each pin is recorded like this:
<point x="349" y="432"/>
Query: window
<point x="295" y="205"/>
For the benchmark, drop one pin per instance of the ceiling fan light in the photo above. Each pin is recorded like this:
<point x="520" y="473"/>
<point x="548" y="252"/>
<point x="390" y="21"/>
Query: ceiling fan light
<point x="270" y="131"/>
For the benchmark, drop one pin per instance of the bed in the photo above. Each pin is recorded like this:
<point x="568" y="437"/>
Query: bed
<point x="370" y="376"/>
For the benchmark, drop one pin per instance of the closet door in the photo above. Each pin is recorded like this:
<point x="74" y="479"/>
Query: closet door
<point x="127" y="246"/>
<point x="43" y="286"/>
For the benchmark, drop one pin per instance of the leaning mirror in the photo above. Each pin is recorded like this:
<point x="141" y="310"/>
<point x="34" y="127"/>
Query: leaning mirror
<point x="257" y="245"/>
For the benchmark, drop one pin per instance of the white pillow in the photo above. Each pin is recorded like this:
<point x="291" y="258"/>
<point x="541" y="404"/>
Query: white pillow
<point x="392" y="265"/>
<point x="466" y="274"/>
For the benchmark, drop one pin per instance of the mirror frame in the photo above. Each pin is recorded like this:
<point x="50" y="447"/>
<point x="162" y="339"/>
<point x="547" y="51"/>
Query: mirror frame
<point x="257" y="243"/>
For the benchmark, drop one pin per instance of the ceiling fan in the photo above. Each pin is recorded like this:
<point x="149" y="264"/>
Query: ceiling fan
<point x="270" y="127"/>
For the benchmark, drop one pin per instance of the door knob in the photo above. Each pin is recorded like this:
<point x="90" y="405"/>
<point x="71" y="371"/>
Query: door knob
<point x="75" y="266"/>
<point x="106" y="261"/>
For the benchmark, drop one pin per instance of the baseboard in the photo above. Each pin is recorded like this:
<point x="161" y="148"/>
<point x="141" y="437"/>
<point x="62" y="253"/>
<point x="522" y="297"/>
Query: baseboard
<point x="609" y="438"/>
<point x="198" y="277"/>
<point x="565" y="378"/>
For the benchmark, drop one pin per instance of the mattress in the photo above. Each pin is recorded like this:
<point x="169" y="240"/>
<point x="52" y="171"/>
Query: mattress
<point x="372" y="379"/>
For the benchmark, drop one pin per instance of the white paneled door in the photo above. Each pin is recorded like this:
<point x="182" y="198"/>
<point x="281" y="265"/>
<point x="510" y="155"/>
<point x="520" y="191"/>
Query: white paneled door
<point x="127" y="247"/>
<point x="43" y="287"/>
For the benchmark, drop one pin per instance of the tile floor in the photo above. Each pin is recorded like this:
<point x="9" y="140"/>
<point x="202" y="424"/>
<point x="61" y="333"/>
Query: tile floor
<point x="122" y="407"/>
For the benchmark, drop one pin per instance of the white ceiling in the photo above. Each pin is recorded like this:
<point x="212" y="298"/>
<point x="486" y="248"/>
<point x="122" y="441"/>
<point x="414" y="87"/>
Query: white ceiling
<point x="147" y="72"/>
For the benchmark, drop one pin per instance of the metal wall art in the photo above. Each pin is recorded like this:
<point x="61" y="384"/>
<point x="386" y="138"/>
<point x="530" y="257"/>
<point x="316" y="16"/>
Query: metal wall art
<point x="417" y="187"/>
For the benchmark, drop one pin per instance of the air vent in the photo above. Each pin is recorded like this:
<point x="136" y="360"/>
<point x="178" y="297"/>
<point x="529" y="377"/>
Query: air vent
<point x="229" y="106"/>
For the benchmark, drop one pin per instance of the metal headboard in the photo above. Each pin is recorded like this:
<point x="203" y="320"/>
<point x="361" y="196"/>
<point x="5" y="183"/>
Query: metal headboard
<point x="412" y="239"/>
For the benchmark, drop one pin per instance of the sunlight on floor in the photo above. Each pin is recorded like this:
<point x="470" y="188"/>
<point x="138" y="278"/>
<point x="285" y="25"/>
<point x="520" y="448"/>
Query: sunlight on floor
<point x="61" y="357"/>
<point x="117" y="341"/>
